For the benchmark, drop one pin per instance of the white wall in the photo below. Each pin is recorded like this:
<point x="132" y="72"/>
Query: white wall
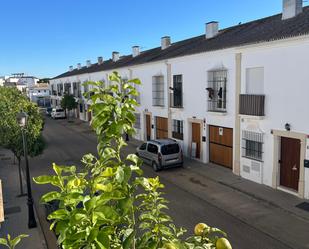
<point x="286" y="88"/>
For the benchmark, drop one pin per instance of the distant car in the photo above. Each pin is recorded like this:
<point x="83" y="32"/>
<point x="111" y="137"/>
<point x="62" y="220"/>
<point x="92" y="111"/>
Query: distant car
<point x="57" y="113"/>
<point x="48" y="111"/>
<point x="161" y="153"/>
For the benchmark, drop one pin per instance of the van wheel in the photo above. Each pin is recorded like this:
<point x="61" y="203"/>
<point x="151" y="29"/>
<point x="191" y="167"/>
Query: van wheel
<point x="155" y="166"/>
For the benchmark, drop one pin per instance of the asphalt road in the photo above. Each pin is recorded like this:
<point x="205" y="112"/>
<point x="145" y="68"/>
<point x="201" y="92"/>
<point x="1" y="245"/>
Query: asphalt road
<point x="66" y="147"/>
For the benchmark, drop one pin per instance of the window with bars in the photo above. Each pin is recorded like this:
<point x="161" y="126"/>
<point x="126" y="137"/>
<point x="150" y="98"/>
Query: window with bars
<point x="217" y="80"/>
<point x="137" y="124"/>
<point x="158" y="90"/>
<point x="252" y="145"/>
<point x="177" y="131"/>
<point x="176" y="95"/>
<point x="67" y="88"/>
<point x="60" y="89"/>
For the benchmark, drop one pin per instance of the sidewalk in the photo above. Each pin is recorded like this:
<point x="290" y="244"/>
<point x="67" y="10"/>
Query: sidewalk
<point x="15" y="208"/>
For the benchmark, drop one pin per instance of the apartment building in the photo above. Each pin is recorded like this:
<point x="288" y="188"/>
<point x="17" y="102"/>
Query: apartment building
<point x="236" y="97"/>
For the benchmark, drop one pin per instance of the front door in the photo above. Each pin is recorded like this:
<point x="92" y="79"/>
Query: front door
<point x="196" y="140"/>
<point x="289" y="162"/>
<point x="148" y="127"/>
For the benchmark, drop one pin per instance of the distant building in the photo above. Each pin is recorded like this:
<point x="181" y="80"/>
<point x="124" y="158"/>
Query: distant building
<point x="40" y="94"/>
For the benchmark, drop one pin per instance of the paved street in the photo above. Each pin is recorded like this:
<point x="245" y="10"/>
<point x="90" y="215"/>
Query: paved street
<point x="193" y="198"/>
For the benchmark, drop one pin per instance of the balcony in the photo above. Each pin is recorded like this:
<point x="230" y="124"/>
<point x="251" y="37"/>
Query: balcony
<point x="176" y="100"/>
<point x="253" y="105"/>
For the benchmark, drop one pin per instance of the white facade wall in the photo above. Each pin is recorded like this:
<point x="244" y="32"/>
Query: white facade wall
<point x="195" y="96"/>
<point x="286" y="87"/>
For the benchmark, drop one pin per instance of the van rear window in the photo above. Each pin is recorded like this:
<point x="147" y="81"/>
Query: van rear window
<point x="170" y="149"/>
<point x="59" y="110"/>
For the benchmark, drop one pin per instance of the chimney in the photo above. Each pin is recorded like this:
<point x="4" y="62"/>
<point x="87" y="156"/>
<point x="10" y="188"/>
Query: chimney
<point x="115" y="56"/>
<point x="165" y="42"/>
<point x="71" y="68"/>
<point x="291" y="8"/>
<point x="88" y="63"/>
<point x="100" y="60"/>
<point x="212" y="29"/>
<point x="79" y="66"/>
<point x="135" y="51"/>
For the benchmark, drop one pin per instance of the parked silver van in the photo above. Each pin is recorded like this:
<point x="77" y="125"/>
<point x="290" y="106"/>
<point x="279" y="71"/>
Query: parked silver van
<point x="161" y="153"/>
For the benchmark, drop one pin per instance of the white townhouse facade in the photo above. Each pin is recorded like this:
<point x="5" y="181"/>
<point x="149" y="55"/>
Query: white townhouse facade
<point x="235" y="97"/>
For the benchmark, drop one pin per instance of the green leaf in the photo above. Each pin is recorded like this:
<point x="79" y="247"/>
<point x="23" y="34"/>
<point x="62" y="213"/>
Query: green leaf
<point x="16" y="241"/>
<point x="104" y="187"/>
<point x="129" y="240"/>
<point x="54" y="195"/>
<point x="3" y="242"/>
<point x="59" y="214"/>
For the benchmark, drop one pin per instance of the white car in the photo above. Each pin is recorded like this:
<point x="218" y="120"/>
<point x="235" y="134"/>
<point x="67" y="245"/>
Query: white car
<point x="57" y="113"/>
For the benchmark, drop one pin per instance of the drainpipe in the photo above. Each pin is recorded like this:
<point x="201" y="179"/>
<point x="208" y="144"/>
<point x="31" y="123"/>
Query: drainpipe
<point x="168" y="85"/>
<point x="236" y="166"/>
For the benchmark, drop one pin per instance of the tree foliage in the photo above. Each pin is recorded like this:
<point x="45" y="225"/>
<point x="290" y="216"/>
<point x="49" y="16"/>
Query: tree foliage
<point x="68" y="102"/>
<point x="108" y="203"/>
<point x="11" y="103"/>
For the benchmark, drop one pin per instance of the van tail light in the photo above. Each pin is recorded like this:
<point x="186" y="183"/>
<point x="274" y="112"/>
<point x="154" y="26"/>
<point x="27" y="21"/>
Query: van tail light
<point x="160" y="157"/>
<point x="181" y="155"/>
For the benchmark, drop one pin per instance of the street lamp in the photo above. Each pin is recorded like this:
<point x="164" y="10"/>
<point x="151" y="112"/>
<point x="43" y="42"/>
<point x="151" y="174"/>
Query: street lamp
<point x="22" y="121"/>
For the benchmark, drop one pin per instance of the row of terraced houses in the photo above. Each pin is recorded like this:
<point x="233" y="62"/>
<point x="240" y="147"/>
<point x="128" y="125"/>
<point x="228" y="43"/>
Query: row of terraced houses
<point x="236" y="97"/>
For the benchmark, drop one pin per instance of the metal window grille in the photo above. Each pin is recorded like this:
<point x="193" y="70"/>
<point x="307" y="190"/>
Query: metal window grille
<point x="60" y="89"/>
<point x="252" y="145"/>
<point x="217" y="80"/>
<point x="176" y="95"/>
<point x="177" y="131"/>
<point x="137" y="124"/>
<point x="158" y="90"/>
<point x="67" y="88"/>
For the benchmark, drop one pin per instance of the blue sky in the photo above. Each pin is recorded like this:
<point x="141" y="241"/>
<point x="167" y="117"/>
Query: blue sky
<point x="44" y="37"/>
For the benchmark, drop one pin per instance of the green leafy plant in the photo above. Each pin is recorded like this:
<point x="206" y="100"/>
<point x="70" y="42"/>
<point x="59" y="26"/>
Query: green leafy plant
<point x="108" y="203"/>
<point x="12" y="243"/>
<point x="12" y="101"/>
<point x="68" y="103"/>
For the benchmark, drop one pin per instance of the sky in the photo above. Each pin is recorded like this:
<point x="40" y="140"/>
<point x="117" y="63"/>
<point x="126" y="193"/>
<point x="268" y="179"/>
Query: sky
<point x="44" y="37"/>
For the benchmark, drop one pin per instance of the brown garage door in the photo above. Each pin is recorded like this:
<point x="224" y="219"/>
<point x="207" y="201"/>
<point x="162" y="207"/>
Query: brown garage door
<point x="161" y="128"/>
<point x="221" y="146"/>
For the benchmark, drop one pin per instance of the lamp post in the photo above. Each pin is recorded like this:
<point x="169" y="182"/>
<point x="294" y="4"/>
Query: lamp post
<point x="22" y="121"/>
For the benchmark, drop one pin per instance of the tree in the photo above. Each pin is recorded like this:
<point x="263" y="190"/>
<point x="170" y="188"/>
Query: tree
<point x="69" y="103"/>
<point x="12" y="102"/>
<point x="109" y="204"/>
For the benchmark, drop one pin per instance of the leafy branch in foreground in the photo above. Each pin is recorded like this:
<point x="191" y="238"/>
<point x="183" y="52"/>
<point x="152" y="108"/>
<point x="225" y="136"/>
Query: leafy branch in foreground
<point x="10" y="242"/>
<point x="108" y="203"/>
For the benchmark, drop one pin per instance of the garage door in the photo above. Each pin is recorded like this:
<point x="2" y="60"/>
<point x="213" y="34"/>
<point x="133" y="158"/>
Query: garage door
<point x="221" y="146"/>
<point x="161" y="128"/>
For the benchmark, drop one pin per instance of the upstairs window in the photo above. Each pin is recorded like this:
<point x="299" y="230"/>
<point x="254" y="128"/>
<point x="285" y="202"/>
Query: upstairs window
<point x="137" y="124"/>
<point x="177" y="131"/>
<point x="176" y="95"/>
<point x="158" y="90"/>
<point x="255" y="81"/>
<point x="217" y="80"/>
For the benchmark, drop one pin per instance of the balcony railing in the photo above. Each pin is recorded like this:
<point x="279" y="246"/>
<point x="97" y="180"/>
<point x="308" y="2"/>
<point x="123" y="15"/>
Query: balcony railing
<point x="252" y="105"/>
<point x="176" y="100"/>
